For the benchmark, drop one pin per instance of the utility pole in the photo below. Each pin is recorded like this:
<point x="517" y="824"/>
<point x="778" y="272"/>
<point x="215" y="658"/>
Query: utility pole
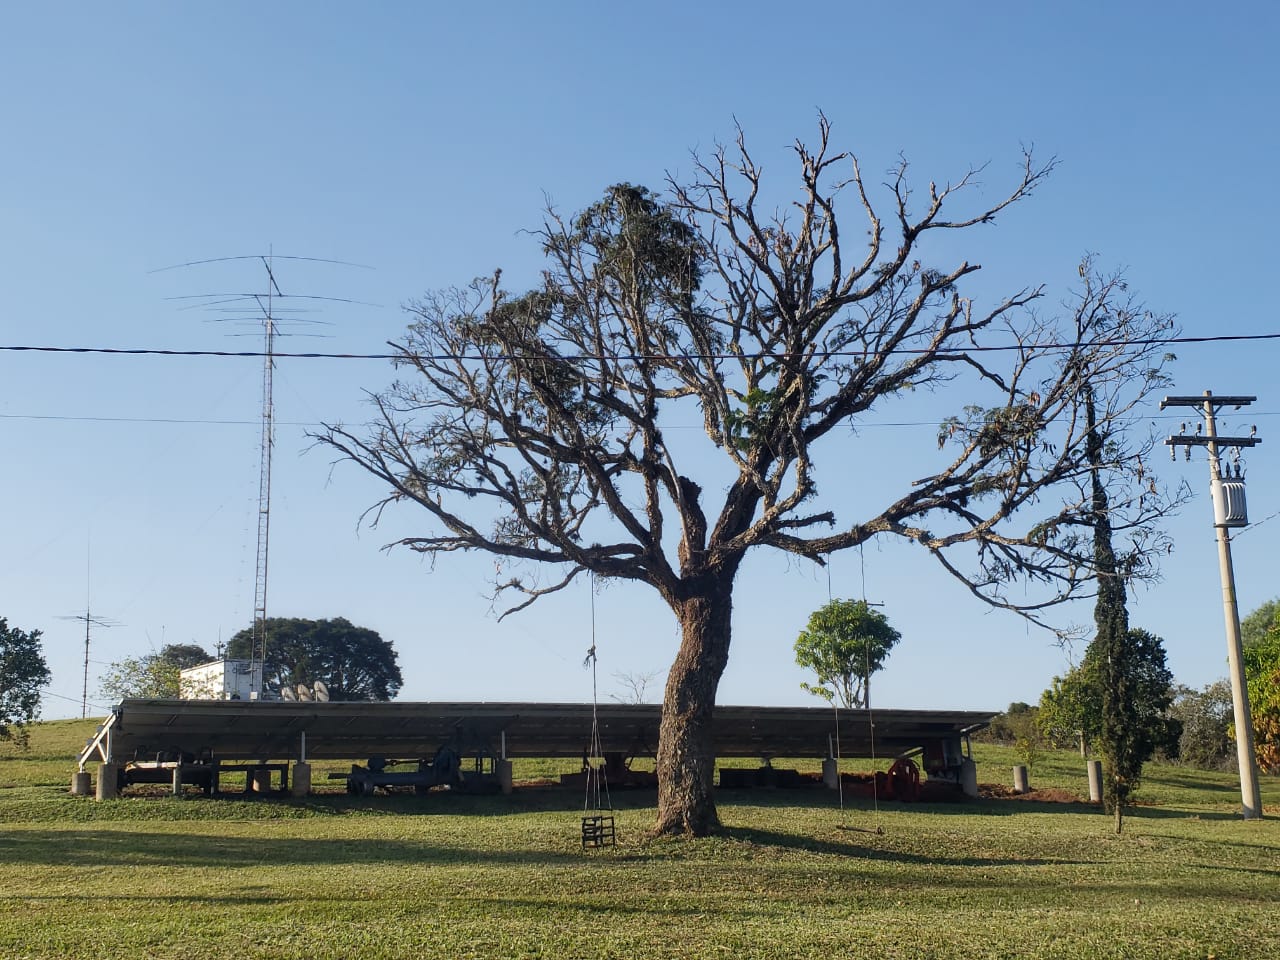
<point x="1229" y="510"/>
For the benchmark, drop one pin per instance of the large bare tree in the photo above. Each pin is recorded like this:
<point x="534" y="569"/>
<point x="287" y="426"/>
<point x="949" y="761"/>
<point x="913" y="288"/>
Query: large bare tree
<point x="534" y="426"/>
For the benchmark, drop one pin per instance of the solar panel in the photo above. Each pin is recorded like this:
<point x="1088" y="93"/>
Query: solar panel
<point x="263" y="730"/>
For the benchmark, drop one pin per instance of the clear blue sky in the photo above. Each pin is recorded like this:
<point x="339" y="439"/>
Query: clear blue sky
<point x="419" y="140"/>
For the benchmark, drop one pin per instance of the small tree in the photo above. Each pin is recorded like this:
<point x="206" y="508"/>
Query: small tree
<point x="1205" y="717"/>
<point x="154" y="676"/>
<point x="354" y="662"/>
<point x="23" y="672"/>
<point x="1071" y="709"/>
<point x="845" y="642"/>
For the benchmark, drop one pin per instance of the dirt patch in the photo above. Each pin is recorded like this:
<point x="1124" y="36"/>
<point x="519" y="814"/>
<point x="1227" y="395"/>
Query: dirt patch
<point x="995" y="791"/>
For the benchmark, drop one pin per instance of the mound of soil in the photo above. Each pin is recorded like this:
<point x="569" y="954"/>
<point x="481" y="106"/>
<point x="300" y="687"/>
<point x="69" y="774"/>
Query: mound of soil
<point x="996" y="791"/>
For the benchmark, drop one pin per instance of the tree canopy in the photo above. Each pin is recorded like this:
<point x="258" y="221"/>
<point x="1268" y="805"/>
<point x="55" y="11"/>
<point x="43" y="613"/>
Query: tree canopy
<point x="154" y="675"/>
<point x="1255" y="627"/>
<point x="537" y="426"/>
<point x="844" y="643"/>
<point x="1071" y="708"/>
<point x="355" y="663"/>
<point x="23" y="672"/>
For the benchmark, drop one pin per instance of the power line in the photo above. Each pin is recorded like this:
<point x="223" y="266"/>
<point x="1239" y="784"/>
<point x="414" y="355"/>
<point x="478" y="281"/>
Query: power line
<point x="197" y="421"/>
<point x="993" y="348"/>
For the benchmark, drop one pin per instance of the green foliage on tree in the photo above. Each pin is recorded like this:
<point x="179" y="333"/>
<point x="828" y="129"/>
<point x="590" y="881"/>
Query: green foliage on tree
<point x="153" y="676"/>
<point x="1137" y="722"/>
<point x="1004" y="726"/>
<point x="23" y="672"/>
<point x="355" y="663"/>
<point x="1070" y="713"/>
<point x="1205" y="717"/>
<point x="1255" y="627"/>
<point x="844" y="643"/>
<point x="1262" y="674"/>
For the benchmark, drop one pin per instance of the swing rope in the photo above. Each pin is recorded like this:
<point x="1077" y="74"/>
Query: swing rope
<point x="597" y="828"/>
<point x="835" y="706"/>
<point x="866" y="700"/>
<point x="595" y="762"/>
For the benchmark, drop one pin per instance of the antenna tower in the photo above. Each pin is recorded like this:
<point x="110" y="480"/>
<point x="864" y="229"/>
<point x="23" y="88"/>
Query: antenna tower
<point x="89" y="622"/>
<point x="258" y="653"/>
<point x="260" y="309"/>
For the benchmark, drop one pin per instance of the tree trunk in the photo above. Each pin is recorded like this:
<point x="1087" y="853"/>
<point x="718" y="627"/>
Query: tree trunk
<point x="686" y="754"/>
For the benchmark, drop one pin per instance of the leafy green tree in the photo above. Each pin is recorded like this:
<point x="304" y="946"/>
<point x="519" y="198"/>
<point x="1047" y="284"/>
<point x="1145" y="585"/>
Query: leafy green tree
<point x="354" y="662"/>
<point x="23" y="672"/>
<point x="845" y="642"/>
<point x="154" y="676"/>
<point x="1262" y="674"/>
<point x="184" y="655"/>
<point x="1255" y="627"/>
<point x="1070" y="713"/>
<point x="535" y="425"/>
<point x="1071" y="708"/>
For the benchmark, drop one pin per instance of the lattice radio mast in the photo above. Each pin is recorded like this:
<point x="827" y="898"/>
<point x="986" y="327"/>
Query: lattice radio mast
<point x="258" y="656"/>
<point x="263" y="311"/>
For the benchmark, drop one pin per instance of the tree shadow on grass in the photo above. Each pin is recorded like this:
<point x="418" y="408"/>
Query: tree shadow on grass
<point x="1141" y="811"/>
<point x="142" y="849"/>
<point x="790" y="841"/>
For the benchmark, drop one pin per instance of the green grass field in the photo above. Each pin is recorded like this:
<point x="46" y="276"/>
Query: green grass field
<point x="792" y="876"/>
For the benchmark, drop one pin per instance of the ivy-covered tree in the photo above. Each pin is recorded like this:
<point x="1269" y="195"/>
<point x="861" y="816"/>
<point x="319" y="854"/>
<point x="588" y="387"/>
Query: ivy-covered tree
<point x="23" y="672"/>
<point x="844" y="643"/>
<point x="537" y="425"/>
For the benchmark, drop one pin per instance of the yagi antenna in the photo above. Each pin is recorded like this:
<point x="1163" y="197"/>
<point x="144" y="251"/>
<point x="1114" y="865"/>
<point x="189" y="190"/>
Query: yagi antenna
<point x="262" y="307"/>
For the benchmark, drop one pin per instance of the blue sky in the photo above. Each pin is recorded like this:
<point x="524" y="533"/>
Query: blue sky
<point x="420" y="141"/>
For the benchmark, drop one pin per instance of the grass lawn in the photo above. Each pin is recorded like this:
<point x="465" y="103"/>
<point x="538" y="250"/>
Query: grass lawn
<point x="792" y="875"/>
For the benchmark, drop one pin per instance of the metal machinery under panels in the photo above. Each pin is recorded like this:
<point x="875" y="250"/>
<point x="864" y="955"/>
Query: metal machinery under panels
<point x="270" y="733"/>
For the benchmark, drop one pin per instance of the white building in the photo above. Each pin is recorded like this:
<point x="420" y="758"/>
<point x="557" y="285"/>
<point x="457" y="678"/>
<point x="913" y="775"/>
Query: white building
<point x="221" y="680"/>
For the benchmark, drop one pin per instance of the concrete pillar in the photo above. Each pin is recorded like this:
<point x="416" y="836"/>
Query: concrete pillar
<point x="1095" y="780"/>
<point x="1020" y="784"/>
<point x="831" y="773"/>
<point x="108" y="788"/>
<point x="259" y="781"/>
<point x="969" y="777"/>
<point x="301" y="779"/>
<point x="177" y="779"/>
<point x="80" y="783"/>
<point x="502" y="769"/>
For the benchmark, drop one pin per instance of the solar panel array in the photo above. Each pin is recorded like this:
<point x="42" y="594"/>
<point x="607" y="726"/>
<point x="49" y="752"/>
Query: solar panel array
<point x="266" y="730"/>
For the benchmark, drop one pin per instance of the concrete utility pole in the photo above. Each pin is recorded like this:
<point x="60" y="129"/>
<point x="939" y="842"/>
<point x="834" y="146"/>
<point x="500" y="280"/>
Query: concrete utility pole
<point x="1229" y="510"/>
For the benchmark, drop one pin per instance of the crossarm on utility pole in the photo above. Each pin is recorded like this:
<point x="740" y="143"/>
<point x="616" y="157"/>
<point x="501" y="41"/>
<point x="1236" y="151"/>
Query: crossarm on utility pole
<point x="1250" y="794"/>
